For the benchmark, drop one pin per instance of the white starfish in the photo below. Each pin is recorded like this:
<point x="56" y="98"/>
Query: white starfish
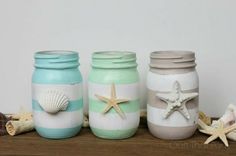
<point x="176" y="100"/>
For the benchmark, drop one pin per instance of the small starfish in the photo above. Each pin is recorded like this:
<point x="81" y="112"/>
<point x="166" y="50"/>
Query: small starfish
<point x="176" y="100"/>
<point x="112" y="102"/>
<point x="216" y="132"/>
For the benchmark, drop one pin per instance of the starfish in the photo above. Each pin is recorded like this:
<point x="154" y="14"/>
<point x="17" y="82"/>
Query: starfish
<point x="176" y="100"/>
<point x="216" y="132"/>
<point x="112" y="102"/>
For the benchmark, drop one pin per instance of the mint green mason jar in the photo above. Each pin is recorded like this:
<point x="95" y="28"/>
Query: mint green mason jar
<point x="57" y="94"/>
<point x="114" y="108"/>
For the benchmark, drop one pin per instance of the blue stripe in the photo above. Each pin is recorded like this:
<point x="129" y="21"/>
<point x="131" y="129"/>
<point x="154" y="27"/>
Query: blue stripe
<point x="73" y="105"/>
<point x="58" y="133"/>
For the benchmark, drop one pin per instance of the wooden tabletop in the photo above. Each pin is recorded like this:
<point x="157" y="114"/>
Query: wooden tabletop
<point x="85" y="143"/>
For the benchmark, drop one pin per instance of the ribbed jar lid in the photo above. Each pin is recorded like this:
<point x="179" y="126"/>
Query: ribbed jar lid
<point x="114" y="59"/>
<point x="172" y="59"/>
<point x="56" y="59"/>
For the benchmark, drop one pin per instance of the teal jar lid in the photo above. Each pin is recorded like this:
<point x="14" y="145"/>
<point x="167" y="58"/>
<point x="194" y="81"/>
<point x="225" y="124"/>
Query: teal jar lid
<point x="114" y="59"/>
<point x="56" y="59"/>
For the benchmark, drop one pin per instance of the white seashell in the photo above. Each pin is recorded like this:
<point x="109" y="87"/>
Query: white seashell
<point x="228" y="119"/>
<point x="232" y="135"/>
<point x="229" y="116"/>
<point x="53" y="101"/>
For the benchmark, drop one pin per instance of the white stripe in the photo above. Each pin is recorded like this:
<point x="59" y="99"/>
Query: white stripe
<point x="113" y="121"/>
<point x="156" y="116"/>
<point x="73" y="92"/>
<point x="164" y="83"/>
<point x="127" y="91"/>
<point x="59" y="120"/>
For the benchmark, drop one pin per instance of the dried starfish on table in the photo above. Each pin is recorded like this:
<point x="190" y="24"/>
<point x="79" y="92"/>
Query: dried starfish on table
<point x="177" y="100"/>
<point x="113" y="102"/>
<point x="218" y="131"/>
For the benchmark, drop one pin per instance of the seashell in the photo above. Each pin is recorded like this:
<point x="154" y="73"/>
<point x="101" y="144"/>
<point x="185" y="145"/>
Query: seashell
<point x="205" y="118"/>
<point x="86" y="121"/>
<point x="17" y="127"/>
<point x="3" y="120"/>
<point x="228" y="119"/>
<point x="53" y="101"/>
<point x="229" y="116"/>
<point x="24" y="116"/>
<point x="232" y="135"/>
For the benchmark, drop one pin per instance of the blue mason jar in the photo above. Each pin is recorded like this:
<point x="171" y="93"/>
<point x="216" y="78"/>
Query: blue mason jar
<point x="57" y="98"/>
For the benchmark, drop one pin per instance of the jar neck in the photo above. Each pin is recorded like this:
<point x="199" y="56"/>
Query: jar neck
<point x="172" y="71"/>
<point x="56" y="59"/>
<point x="114" y="60"/>
<point x="172" y="62"/>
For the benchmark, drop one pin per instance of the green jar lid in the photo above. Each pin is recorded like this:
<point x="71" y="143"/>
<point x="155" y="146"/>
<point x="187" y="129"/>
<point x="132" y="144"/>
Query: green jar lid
<point x="56" y="59"/>
<point x="114" y="59"/>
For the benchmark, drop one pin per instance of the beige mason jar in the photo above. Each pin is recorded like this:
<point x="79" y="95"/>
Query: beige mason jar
<point x="172" y="105"/>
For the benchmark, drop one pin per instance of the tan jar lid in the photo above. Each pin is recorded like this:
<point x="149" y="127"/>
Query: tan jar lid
<point x="172" y="59"/>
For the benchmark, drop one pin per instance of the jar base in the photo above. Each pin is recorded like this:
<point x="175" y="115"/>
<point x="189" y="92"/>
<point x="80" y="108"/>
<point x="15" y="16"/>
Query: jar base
<point x="58" y="133"/>
<point x="113" y="134"/>
<point x="171" y="133"/>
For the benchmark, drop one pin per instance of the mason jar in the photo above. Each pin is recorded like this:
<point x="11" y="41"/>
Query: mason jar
<point x="172" y="102"/>
<point x="114" y="107"/>
<point x="57" y="94"/>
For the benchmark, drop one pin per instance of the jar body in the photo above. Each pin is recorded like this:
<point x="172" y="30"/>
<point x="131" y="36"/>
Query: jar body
<point x="110" y="125"/>
<point x="160" y="81"/>
<point x="64" y="123"/>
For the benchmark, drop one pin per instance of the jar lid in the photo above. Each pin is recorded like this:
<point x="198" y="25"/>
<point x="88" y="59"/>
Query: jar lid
<point x="172" y="59"/>
<point x="114" y="59"/>
<point x="56" y="59"/>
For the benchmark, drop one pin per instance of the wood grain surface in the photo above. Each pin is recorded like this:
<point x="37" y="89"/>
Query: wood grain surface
<point x="85" y="143"/>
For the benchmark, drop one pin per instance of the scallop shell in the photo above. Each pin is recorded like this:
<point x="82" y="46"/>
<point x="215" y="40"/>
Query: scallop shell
<point x="53" y="101"/>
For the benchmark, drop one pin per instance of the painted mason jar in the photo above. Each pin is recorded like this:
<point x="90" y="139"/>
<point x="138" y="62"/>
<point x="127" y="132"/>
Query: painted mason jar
<point x="57" y="94"/>
<point x="114" y="107"/>
<point x="172" y="107"/>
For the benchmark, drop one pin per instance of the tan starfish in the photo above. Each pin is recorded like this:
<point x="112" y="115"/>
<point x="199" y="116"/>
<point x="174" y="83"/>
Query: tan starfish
<point x="112" y="102"/>
<point x="216" y="132"/>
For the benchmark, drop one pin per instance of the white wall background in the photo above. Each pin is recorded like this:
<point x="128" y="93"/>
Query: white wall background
<point x="207" y="27"/>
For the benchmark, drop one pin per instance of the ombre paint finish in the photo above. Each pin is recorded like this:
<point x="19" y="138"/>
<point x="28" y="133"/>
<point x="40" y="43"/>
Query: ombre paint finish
<point x="118" y="68"/>
<point x="57" y="70"/>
